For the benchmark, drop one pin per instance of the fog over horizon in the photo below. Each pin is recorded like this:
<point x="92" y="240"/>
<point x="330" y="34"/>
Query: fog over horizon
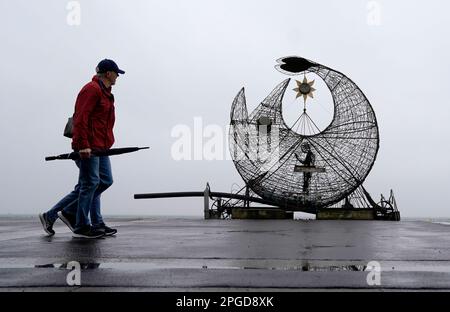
<point x="185" y="61"/>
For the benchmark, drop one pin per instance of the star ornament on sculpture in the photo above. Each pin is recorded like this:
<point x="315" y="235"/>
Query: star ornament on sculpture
<point x="304" y="89"/>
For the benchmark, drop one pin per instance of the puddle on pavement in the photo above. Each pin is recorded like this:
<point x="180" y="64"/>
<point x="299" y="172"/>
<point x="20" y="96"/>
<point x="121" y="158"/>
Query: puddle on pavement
<point x="242" y="264"/>
<point x="147" y="266"/>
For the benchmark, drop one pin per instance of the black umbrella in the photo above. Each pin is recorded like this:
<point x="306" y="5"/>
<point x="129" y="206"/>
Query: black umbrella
<point x="109" y="152"/>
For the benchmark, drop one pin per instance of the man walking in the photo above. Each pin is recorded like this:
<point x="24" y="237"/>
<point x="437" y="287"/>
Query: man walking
<point x="93" y="123"/>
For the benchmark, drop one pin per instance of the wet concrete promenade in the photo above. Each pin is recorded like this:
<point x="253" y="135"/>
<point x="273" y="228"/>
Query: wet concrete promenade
<point x="188" y="254"/>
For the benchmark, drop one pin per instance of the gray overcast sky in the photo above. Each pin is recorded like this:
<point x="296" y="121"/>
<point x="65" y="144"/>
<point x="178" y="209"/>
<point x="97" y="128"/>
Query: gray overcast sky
<point x="190" y="58"/>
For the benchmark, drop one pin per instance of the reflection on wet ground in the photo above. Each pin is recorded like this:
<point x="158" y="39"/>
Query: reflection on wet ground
<point x="83" y="266"/>
<point x="236" y="264"/>
<point x="147" y="266"/>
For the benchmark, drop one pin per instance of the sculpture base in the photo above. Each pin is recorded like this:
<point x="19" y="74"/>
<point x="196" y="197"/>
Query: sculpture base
<point x="345" y="214"/>
<point x="260" y="213"/>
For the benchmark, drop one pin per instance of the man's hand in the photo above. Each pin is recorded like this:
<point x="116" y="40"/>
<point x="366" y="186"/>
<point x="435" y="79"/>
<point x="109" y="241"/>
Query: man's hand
<point x="299" y="159"/>
<point x="85" y="153"/>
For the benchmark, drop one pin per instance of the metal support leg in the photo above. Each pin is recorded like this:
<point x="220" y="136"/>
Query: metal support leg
<point x="206" y="202"/>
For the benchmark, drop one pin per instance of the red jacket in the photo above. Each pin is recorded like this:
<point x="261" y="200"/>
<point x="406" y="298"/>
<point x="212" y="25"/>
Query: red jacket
<point x="93" y="120"/>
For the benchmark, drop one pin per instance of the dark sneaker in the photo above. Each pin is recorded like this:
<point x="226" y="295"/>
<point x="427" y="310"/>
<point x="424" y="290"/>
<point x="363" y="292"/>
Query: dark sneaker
<point x="46" y="224"/>
<point x="88" y="232"/>
<point x="106" y="229"/>
<point x="69" y="219"/>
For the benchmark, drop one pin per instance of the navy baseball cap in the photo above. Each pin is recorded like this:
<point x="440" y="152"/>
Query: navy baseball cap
<point x="108" y="65"/>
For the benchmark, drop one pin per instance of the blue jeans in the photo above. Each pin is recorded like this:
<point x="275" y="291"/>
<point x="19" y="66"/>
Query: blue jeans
<point x="70" y="200"/>
<point x="94" y="178"/>
<point x="69" y="204"/>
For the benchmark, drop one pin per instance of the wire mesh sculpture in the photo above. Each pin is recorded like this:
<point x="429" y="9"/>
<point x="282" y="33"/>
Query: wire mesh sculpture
<point x="298" y="171"/>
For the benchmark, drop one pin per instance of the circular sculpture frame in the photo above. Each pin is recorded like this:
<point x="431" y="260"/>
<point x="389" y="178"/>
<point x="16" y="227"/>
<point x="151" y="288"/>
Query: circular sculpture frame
<point x="272" y="159"/>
